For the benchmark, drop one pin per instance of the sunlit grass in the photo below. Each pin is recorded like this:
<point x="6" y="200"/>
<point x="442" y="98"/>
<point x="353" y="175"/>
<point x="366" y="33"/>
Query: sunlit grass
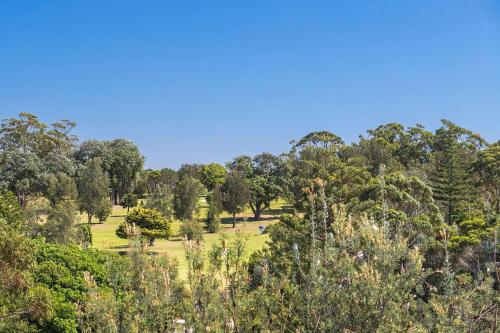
<point x="104" y="236"/>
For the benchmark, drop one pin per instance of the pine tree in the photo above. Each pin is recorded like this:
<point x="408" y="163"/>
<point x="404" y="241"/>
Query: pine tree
<point x="454" y="150"/>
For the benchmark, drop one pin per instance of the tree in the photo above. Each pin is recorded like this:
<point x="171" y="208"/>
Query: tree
<point x="60" y="187"/>
<point x="91" y="149"/>
<point x="23" y="304"/>
<point x="104" y="210"/>
<point x="192" y="230"/>
<point x="150" y="222"/>
<point x="92" y="188"/>
<point x="30" y="151"/>
<point x="10" y="211"/>
<point x="129" y="201"/>
<point x="189" y="170"/>
<point x="265" y="175"/>
<point x="186" y="196"/>
<point x="215" y="207"/>
<point x="315" y="156"/>
<point x="487" y="167"/>
<point x="123" y="163"/>
<point x="162" y="201"/>
<point x="454" y="149"/>
<point x="396" y="147"/>
<point x="168" y="179"/>
<point x="61" y="225"/>
<point x="211" y="175"/>
<point x="235" y="194"/>
<point x="65" y="270"/>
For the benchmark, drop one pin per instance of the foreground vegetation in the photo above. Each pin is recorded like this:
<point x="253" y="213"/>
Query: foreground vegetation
<point x="397" y="232"/>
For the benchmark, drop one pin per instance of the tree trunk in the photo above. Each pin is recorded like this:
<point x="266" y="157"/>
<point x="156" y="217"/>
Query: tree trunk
<point x="234" y="220"/>
<point x="151" y="241"/>
<point x="89" y="218"/>
<point x="114" y="196"/>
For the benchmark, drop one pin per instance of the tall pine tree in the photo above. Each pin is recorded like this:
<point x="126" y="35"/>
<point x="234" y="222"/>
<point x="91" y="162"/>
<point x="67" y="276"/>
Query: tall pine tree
<point x="455" y="149"/>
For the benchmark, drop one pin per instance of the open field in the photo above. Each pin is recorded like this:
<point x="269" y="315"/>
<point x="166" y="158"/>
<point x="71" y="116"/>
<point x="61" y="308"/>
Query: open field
<point x="104" y="236"/>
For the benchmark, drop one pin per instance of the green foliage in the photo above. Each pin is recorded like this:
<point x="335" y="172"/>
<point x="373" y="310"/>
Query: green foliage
<point x="487" y="168"/>
<point x="211" y="175"/>
<point x="266" y="176"/>
<point x="472" y="232"/>
<point x="23" y="304"/>
<point x="235" y="194"/>
<point x="92" y="187"/>
<point x="129" y="200"/>
<point x="215" y="207"/>
<point x="60" y="187"/>
<point x="104" y="210"/>
<point x="321" y="138"/>
<point x="123" y="162"/>
<point x="395" y="233"/>
<point x="191" y="229"/>
<point x="186" y="196"/>
<point x="10" y="211"/>
<point x="451" y="181"/>
<point x="162" y="201"/>
<point x="63" y="270"/>
<point x="84" y="235"/>
<point x="150" y="222"/>
<point x="151" y="181"/>
<point x="32" y="153"/>
<point x="189" y="170"/>
<point x="61" y="226"/>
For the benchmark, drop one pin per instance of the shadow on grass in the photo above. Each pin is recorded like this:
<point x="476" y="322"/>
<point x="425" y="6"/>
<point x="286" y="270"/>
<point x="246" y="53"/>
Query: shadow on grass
<point x="120" y="247"/>
<point x="278" y="211"/>
<point x="229" y="220"/>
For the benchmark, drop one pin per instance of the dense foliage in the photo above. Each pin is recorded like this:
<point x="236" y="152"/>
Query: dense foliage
<point x="397" y="232"/>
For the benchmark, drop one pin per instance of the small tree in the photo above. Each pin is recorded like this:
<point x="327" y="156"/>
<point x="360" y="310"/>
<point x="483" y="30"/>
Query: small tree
<point x="61" y="225"/>
<point x="129" y="201"/>
<point x="150" y="222"/>
<point x="162" y="201"/>
<point x="192" y="230"/>
<point x="60" y="187"/>
<point x="104" y="210"/>
<point x="215" y="207"/>
<point x="235" y="194"/>
<point x="92" y="187"/>
<point x="187" y="193"/>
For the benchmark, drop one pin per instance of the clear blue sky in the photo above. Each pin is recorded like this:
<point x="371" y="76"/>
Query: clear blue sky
<point x="202" y="81"/>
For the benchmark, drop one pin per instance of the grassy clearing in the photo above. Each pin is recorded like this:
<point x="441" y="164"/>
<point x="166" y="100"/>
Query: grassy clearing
<point x="104" y="236"/>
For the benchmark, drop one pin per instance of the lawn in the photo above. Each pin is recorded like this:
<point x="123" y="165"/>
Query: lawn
<point x="104" y="236"/>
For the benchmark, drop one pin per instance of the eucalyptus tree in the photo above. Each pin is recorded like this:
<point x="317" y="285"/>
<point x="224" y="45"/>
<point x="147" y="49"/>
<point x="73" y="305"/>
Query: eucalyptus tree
<point x="31" y="151"/>
<point x="266" y="176"/>
<point x="123" y="164"/>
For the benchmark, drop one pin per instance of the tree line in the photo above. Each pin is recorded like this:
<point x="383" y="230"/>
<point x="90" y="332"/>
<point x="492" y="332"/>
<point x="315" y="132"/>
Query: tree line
<point x="395" y="232"/>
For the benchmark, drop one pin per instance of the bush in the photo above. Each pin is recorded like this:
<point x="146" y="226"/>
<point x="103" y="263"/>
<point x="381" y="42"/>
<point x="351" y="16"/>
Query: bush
<point x="150" y="222"/>
<point x="191" y="229"/>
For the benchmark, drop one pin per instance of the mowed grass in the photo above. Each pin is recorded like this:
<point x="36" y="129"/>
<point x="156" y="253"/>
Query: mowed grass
<point x="104" y="236"/>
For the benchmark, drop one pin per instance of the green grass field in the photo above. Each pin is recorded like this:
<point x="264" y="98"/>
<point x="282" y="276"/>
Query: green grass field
<point x="104" y="236"/>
